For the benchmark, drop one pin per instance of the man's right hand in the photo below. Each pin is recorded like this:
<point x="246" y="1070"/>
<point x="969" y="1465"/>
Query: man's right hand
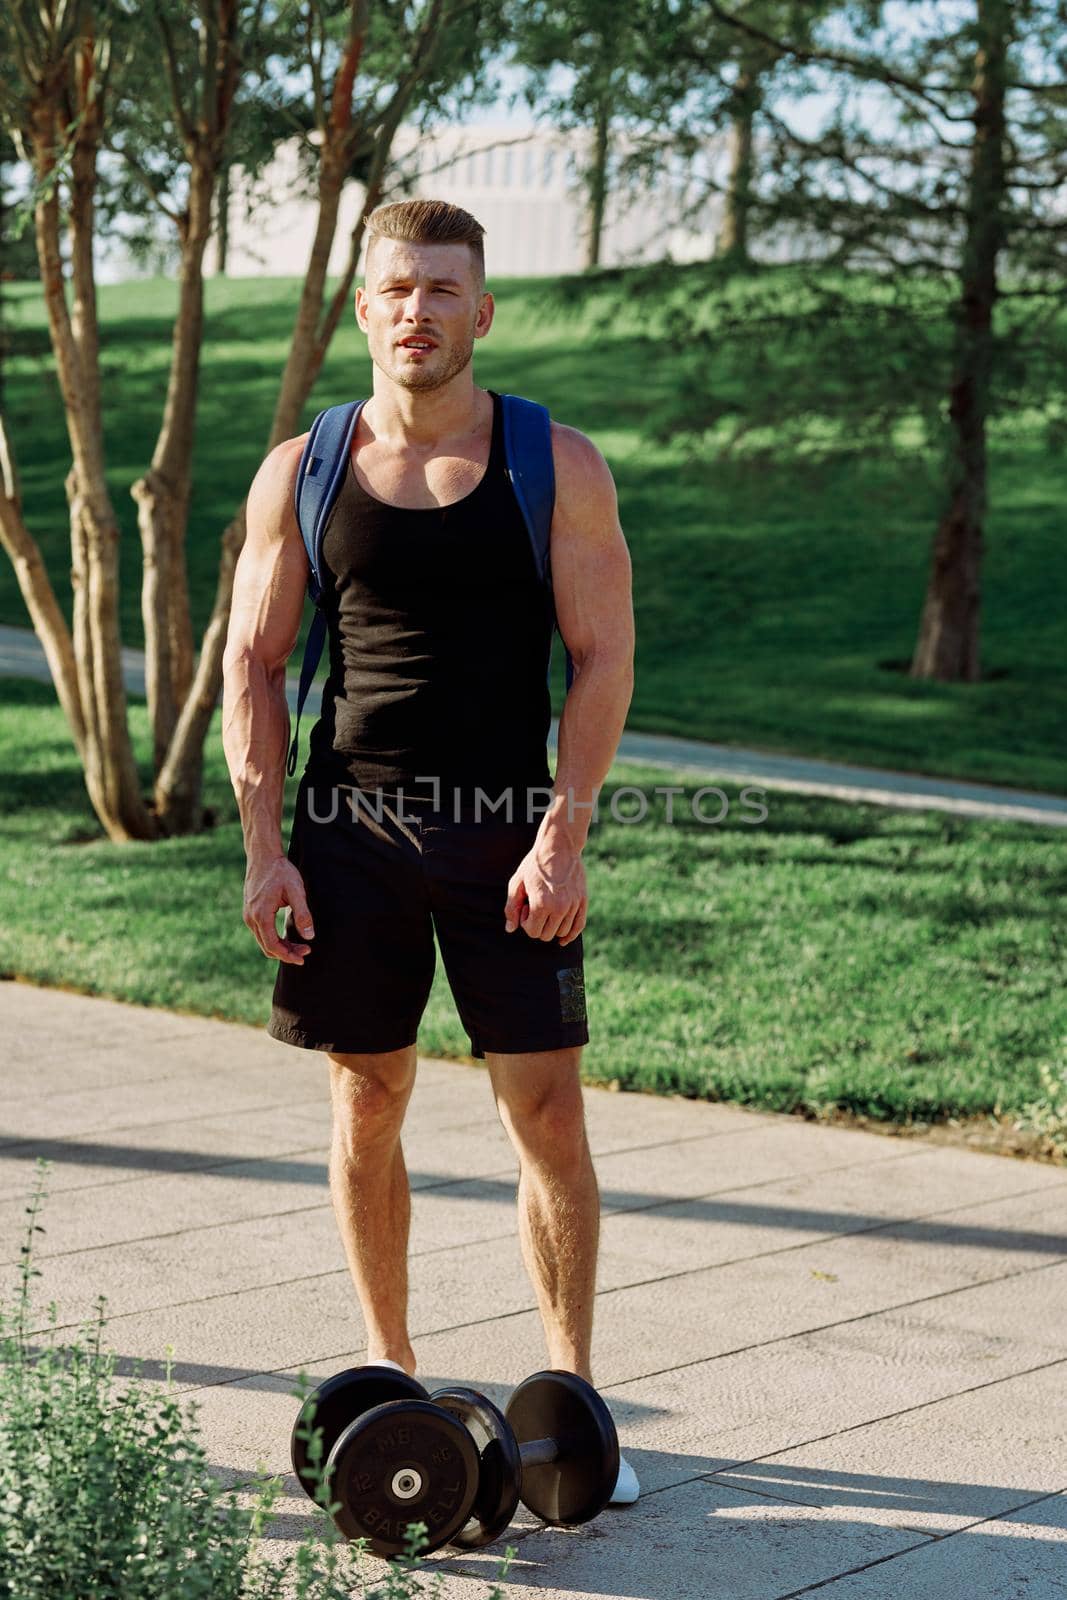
<point x="269" y="885"/>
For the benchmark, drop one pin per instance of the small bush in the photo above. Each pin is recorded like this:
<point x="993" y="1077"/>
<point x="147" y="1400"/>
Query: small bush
<point x="1047" y="1115"/>
<point x="106" y="1492"/>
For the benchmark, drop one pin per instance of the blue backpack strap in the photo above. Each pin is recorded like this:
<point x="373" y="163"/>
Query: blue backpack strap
<point x="323" y="465"/>
<point x="528" y="448"/>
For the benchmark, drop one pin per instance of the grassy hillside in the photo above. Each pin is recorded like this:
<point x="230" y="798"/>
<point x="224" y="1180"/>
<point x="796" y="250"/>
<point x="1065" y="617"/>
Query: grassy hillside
<point x="768" y="601"/>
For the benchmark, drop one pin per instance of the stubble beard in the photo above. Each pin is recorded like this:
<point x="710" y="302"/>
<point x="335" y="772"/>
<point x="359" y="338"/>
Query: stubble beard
<point x="431" y="375"/>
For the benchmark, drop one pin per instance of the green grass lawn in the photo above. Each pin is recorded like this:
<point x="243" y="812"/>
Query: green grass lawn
<point x="768" y="599"/>
<point x="895" y="964"/>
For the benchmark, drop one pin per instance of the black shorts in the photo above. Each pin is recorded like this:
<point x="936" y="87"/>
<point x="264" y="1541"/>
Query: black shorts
<point x="378" y="891"/>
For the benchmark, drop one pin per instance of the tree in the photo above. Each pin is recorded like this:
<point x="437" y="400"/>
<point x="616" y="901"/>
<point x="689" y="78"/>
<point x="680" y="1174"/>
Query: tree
<point x="747" y="65"/>
<point x="942" y="160"/>
<point x="86" y="86"/>
<point x="674" y="77"/>
<point x="600" y="44"/>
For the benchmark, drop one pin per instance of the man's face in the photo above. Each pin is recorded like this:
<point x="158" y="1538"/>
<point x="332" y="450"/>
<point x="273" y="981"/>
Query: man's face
<point x="422" y="309"/>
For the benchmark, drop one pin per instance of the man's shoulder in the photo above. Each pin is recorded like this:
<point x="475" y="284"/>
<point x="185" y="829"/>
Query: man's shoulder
<point x="578" y="463"/>
<point x="281" y="463"/>
<point x="271" y="498"/>
<point x="284" y="460"/>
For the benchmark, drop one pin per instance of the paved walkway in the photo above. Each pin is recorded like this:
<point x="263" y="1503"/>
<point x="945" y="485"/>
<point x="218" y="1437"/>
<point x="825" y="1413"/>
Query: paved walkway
<point x="837" y="1361"/>
<point x="21" y="656"/>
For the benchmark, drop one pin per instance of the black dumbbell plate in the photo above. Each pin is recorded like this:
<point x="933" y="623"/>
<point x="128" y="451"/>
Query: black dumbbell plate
<point x="500" y="1471"/>
<point x="562" y="1406"/>
<point x="338" y="1401"/>
<point x="406" y="1461"/>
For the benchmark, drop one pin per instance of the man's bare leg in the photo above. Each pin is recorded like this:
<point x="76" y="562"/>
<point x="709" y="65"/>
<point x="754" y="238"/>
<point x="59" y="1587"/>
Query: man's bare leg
<point x="369" y="1188"/>
<point x="539" y="1098"/>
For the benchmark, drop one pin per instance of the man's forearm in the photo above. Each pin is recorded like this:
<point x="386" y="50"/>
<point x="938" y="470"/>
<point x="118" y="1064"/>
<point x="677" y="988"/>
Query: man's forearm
<point x="255" y="737"/>
<point x="594" y="716"/>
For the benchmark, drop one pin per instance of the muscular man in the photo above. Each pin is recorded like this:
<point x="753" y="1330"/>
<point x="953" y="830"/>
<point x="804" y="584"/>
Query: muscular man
<point x="439" y="630"/>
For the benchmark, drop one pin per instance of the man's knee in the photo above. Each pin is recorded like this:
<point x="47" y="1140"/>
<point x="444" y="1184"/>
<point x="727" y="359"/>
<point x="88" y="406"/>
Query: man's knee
<point x="545" y="1117"/>
<point x="370" y="1094"/>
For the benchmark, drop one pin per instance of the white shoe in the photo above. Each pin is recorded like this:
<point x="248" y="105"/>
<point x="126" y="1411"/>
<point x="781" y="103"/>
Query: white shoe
<point x="385" y="1362"/>
<point x="626" y="1488"/>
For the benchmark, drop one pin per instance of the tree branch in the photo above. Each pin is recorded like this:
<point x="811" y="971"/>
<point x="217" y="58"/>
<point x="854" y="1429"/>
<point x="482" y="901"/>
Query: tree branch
<point x="344" y="83"/>
<point x="820" y="149"/>
<point x="871" y="71"/>
<point x="315" y="63"/>
<point x="173" y="76"/>
<point x="145" y="178"/>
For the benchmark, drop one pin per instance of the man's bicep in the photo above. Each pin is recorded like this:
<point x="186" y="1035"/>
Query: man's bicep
<point x="270" y="578"/>
<point x="591" y="569"/>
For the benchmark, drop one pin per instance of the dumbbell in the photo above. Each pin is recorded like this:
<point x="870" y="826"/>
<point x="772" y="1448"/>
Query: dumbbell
<point x="554" y="1447"/>
<point x="390" y="1457"/>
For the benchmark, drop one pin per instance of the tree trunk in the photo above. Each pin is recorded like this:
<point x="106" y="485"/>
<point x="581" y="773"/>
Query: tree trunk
<point x="102" y="735"/>
<point x="162" y="494"/>
<point x="948" y="642"/>
<point x="48" y="620"/>
<point x="222" y="224"/>
<point x="177" y="785"/>
<point x="732" y="242"/>
<point x="598" y="181"/>
<point x="178" y="782"/>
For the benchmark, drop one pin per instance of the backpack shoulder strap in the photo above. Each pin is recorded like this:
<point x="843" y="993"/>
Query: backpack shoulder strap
<point x="528" y="449"/>
<point x="321" y="473"/>
<point x="318" y="481"/>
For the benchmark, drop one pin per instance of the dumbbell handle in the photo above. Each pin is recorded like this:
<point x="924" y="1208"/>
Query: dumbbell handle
<point x="539" y="1452"/>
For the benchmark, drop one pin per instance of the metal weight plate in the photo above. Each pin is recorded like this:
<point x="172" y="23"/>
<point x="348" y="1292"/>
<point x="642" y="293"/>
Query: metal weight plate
<point x="403" y="1462"/>
<point x="562" y="1406"/>
<point x="500" y="1470"/>
<point x="338" y="1401"/>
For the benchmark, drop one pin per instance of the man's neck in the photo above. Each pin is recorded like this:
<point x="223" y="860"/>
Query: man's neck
<point x="423" y="419"/>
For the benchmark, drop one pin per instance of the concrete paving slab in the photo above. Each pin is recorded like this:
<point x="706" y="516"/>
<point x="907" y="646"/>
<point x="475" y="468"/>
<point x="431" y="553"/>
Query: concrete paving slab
<point x="119" y="1158"/>
<point x="210" y="1304"/>
<point x="826" y="1351"/>
<point x="633" y="1178"/>
<point x="809" y="1388"/>
<point x="242" y="1076"/>
<point x="146" y="1209"/>
<point x="299" y="1131"/>
<point x="32" y="1016"/>
<point x="984" y="1454"/>
<point x="909" y="1196"/>
<point x="178" y="1091"/>
<point x="736" y="1545"/>
<point x="1021" y="1557"/>
<point x="31" y="1076"/>
<point x="697" y="1542"/>
<point x="688" y="1421"/>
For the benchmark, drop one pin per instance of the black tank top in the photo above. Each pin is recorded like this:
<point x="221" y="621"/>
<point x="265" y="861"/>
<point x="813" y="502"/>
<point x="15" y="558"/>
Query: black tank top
<point x="440" y="631"/>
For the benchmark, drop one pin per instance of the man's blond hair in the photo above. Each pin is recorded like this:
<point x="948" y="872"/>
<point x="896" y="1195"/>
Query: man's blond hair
<point x="428" y="222"/>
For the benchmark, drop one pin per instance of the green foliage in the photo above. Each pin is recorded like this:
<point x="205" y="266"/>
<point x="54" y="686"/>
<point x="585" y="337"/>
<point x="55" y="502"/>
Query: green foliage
<point x="795" y="366"/>
<point x="865" y="127"/>
<point x="106" y="1492"/>
<point x="1046" y="1114"/>
<point x="157" y="93"/>
<point x="18" y="254"/>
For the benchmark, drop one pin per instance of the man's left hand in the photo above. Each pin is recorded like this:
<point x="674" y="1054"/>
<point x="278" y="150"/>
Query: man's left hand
<point x="547" y="893"/>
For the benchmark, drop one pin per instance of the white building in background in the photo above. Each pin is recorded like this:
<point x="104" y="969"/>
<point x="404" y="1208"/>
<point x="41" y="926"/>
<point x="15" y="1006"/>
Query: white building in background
<point x="521" y="184"/>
